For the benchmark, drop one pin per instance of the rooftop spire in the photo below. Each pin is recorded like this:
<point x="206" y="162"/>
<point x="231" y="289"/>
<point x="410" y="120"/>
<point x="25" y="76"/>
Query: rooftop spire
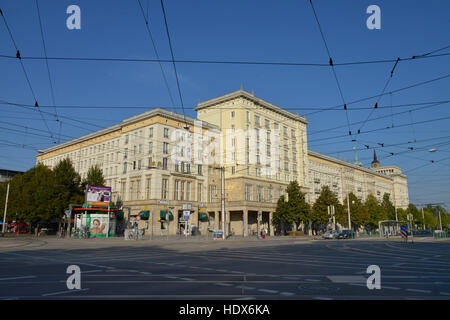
<point x="375" y="163"/>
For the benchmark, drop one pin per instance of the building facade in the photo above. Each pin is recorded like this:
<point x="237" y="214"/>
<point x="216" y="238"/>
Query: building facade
<point x="161" y="160"/>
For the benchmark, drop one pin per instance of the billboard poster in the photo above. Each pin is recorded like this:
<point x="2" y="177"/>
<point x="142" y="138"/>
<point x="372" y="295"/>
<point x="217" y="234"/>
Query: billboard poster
<point x="98" y="195"/>
<point x="98" y="225"/>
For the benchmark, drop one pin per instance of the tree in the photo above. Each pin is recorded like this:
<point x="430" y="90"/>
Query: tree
<point x="281" y="215"/>
<point x="358" y="212"/>
<point x="295" y="210"/>
<point x="94" y="177"/>
<point x="375" y="212"/>
<point x="297" y="205"/>
<point x="388" y="207"/>
<point x="319" y="213"/>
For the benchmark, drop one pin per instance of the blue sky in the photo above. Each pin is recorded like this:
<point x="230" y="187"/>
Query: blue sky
<point x="238" y="31"/>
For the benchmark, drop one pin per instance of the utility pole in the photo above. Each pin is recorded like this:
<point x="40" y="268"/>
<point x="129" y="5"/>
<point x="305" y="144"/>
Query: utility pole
<point x="423" y="220"/>
<point x="440" y="221"/>
<point x="6" y="208"/>
<point x="348" y="211"/>
<point x="222" y="171"/>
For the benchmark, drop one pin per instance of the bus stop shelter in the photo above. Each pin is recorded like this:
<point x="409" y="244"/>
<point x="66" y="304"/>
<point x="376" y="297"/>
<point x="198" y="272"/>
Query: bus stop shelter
<point x="391" y="227"/>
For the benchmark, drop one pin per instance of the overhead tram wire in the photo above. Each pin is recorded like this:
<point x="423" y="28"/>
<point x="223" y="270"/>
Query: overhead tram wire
<point x="384" y="128"/>
<point x="156" y="51"/>
<point x="382" y="93"/>
<point x="405" y="105"/>
<point x="226" y="62"/>
<point x="430" y="105"/>
<point x="18" y="56"/>
<point x="173" y="62"/>
<point x="378" y="95"/>
<point x="332" y="67"/>
<point x="48" y="69"/>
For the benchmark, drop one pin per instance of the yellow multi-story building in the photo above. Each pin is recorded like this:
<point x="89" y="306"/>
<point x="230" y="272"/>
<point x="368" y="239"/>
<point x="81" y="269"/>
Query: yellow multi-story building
<point x="148" y="162"/>
<point x="161" y="159"/>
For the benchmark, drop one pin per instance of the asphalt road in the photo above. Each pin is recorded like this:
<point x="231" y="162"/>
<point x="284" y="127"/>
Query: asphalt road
<point x="215" y="269"/>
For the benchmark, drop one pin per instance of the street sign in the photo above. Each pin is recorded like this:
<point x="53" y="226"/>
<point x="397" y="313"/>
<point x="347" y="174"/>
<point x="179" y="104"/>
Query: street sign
<point x="171" y="208"/>
<point x="67" y="212"/>
<point x="186" y="214"/>
<point x="138" y="218"/>
<point x="403" y="227"/>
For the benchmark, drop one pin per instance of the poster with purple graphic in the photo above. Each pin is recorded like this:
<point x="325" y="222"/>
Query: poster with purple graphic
<point x="98" y="195"/>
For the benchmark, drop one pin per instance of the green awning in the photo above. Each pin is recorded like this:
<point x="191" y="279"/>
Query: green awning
<point x="162" y="214"/>
<point x="202" y="216"/>
<point x="144" y="215"/>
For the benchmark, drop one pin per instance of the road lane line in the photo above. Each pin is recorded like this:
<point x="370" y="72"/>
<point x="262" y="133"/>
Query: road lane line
<point x="287" y="293"/>
<point x="444" y="293"/>
<point x="246" y="288"/>
<point x="62" y="292"/>
<point x="417" y="290"/>
<point x="223" y="284"/>
<point x="393" y="288"/>
<point x="268" y="291"/>
<point x="14" y="278"/>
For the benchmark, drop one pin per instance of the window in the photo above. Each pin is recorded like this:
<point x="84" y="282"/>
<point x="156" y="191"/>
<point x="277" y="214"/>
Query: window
<point x="232" y="114"/>
<point x="182" y="191"/>
<point x="233" y="170"/>
<point x="270" y="198"/>
<point x="150" y="162"/>
<point x="286" y="166"/>
<point x="140" y="148"/>
<point x="285" y="131"/>
<point x="139" y="164"/>
<point x="124" y="167"/>
<point x="166" y="132"/>
<point x="188" y="191"/>
<point x="248" y="116"/>
<point x="164" y="189"/>
<point x="267" y="124"/>
<point x="199" y="168"/>
<point x="293" y="133"/>
<point x="248" y="192"/>
<point x="165" y="148"/>
<point x="138" y="190"/>
<point x="182" y="167"/>
<point x="132" y="190"/>
<point x="165" y="163"/>
<point x="177" y="167"/>
<point x="150" y="133"/>
<point x="199" y="192"/>
<point x="134" y="165"/>
<point x="149" y="183"/>
<point x="175" y="190"/>
<point x="134" y="149"/>
<point x="125" y="154"/>
<point x="260" y="194"/>
<point x="256" y="120"/>
<point x="150" y="147"/>
<point x="126" y="139"/>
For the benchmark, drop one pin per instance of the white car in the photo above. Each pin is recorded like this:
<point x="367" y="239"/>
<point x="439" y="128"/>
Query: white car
<point x="331" y="234"/>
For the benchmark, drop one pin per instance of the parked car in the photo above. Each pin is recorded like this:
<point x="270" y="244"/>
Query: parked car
<point x="331" y="234"/>
<point x="346" y="234"/>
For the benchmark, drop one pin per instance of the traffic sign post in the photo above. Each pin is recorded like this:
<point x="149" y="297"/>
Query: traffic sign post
<point x="404" y="232"/>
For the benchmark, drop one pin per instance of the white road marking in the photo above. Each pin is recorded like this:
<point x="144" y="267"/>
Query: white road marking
<point x="14" y="278"/>
<point x="313" y="280"/>
<point x="246" y="298"/>
<point x="287" y="293"/>
<point x="347" y="279"/>
<point x="445" y="293"/>
<point x="62" y="292"/>
<point x="358" y="284"/>
<point x="187" y="279"/>
<point x="322" y="298"/>
<point x="393" y="288"/>
<point x="417" y="290"/>
<point x="245" y="287"/>
<point x="223" y="284"/>
<point x="268" y="291"/>
<point x="91" y="271"/>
